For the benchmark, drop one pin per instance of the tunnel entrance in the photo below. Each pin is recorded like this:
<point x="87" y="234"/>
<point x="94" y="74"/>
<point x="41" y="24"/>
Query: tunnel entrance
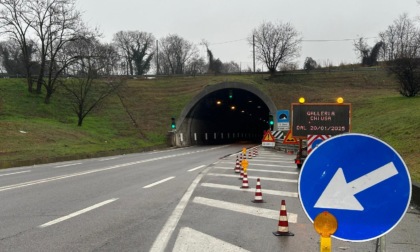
<point x="224" y="113"/>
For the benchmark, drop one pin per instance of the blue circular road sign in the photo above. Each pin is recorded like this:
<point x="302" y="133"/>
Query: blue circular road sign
<point x="359" y="179"/>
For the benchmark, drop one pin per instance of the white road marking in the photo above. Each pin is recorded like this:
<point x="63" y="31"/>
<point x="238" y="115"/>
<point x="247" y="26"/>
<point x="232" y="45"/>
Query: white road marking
<point x="13" y="173"/>
<point x="77" y="213"/>
<point x="40" y="181"/>
<point x="158" y="182"/>
<point x="66" y="165"/>
<point x="190" y="240"/>
<point x="256" y="211"/>
<point x="196" y="168"/>
<point x="273" y="165"/>
<point x="166" y="232"/>
<point x="254" y="177"/>
<point x="264" y="191"/>
<point x="106" y="159"/>
<point x="257" y="170"/>
<point x="271" y="161"/>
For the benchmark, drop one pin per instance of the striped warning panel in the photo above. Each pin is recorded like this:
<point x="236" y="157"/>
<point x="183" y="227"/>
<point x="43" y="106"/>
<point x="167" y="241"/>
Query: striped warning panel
<point x="278" y="134"/>
<point x="315" y="140"/>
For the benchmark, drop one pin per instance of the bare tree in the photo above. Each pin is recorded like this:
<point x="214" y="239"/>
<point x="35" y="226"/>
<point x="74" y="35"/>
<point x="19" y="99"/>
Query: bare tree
<point x="231" y="67"/>
<point x="175" y="54"/>
<point x="400" y="39"/>
<point x="56" y="23"/>
<point x="86" y="91"/>
<point x="310" y="64"/>
<point x="122" y="41"/>
<point x="368" y="56"/>
<point x="275" y="44"/>
<point x="402" y="51"/>
<point x="137" y="49"/>
<point x="15" y="23"/>
<point x="361" y="48"/>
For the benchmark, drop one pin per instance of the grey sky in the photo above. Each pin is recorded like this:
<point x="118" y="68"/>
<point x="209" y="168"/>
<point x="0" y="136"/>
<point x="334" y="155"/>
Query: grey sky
<point x="226" y="24"/>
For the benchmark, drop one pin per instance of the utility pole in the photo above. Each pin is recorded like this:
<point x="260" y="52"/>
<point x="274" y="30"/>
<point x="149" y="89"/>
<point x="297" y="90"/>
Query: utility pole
<point x="253" y="50"/>
<point x="157" y="57"/>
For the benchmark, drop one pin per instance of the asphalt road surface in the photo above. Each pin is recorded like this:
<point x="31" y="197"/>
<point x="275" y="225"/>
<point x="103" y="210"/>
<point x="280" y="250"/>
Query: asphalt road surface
<point x="185" y="199"/>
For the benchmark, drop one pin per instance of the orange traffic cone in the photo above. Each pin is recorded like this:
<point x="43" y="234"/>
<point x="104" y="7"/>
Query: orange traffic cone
<point x="237" y="166"/>
<point x="245" y="182"/>
<point x="283" y="229"/>
<point x="258" y="193"/>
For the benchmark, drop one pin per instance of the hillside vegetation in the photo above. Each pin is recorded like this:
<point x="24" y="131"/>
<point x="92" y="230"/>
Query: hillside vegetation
<point x="138" y="118"/>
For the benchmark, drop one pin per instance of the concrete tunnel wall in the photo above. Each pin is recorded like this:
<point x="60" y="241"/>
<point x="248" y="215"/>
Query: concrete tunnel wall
<point x="187" y="126"/>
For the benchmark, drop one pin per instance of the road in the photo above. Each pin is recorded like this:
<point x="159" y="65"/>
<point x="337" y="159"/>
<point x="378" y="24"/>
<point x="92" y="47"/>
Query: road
<point x="185" y="199"/>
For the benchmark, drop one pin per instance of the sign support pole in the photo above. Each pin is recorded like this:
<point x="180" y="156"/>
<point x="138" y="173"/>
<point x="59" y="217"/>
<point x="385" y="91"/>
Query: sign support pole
<point x="325" y="244"/>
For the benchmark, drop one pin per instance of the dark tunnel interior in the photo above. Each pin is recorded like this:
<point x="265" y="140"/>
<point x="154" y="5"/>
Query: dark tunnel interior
<point x="229" y="115"/>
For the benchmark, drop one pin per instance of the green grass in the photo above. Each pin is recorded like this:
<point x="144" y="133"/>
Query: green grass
<point x="139" y="118"/>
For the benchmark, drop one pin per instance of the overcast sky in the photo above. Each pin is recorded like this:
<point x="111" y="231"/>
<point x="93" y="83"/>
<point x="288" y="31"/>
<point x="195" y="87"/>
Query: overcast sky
<point x="226" y="24"/>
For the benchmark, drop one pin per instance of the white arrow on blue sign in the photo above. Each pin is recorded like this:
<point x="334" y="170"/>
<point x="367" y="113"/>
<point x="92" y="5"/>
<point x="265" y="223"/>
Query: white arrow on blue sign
<point x="359" y="179"/>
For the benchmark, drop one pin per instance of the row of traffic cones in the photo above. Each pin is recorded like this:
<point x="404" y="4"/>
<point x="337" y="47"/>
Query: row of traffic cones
<point x="283" y="224"/>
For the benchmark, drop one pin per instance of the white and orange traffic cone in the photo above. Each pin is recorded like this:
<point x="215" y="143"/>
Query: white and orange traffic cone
<point x="258" y="193"/>
<point x="283" y="227"/>
<point x="245" y="182"/>
<point x="237" y="166"/>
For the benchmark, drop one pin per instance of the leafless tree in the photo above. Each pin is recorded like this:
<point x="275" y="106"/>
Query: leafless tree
<point x="275" y="44"/>
<point x="175" y="54"/>
<point x="137" y="48"/>
<point x="402" y="51"/>
<point x="361" y="48"/>
<point x="56" y="23"/>
<point x="401" y="39"/>
<point x="231" y="67"/>
<point x="15" y="23"/>
<point x="86" y="90"/>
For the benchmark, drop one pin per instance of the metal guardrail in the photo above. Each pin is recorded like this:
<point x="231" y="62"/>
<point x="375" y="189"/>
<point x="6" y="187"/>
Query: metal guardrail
<point x="287" y="148"/>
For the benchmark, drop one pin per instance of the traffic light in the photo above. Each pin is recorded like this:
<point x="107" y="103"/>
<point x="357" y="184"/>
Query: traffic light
<point x="230" y="94"/>
<point x="173" y="124"/>
<point x="271" y="121"/>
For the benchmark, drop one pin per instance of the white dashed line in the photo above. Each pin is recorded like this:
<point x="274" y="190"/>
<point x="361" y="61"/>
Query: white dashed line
<point x="76" y="213"/>
<point x="158" y="182"/>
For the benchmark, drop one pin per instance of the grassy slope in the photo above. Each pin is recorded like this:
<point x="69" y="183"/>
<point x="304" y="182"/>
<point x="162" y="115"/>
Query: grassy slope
<point x="139" y="118"/>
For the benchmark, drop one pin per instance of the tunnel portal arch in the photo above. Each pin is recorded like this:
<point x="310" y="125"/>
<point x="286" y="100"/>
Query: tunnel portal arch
<point x="224" y="113"/>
